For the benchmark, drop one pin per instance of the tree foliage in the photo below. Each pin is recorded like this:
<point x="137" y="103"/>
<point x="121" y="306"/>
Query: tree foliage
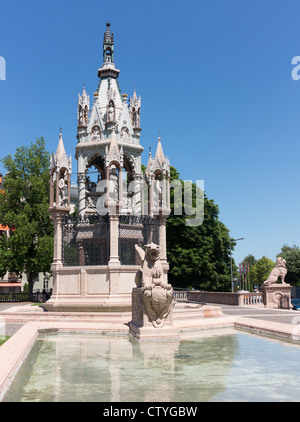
<point x="24" y="207"/>
<point x="260" y="270"/>
<point x="199" y="255"/>
<point x="249" y="259"/>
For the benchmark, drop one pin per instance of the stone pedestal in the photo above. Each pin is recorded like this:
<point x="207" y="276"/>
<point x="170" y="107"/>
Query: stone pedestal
<point x="143" y="328"/>
<point x="277" y="296"/>
<point x="101" y="288"/>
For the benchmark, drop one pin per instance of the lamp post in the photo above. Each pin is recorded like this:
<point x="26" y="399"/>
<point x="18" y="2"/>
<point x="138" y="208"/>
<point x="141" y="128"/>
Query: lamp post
<point x="230" y="241"/>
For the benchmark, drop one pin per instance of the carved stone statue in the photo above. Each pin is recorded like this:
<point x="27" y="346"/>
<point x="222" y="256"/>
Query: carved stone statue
<point x="111" y="112"/>
<point x="96" y="133"/>
<point x="277" y="295"/>
<point x="89" y="203"/>
<point x="279" y="271"/>
<point x="157" y="293"/>
<point x="113" y="184"/>
<point x="125" y="134"/>
<point x="62" y="198"/>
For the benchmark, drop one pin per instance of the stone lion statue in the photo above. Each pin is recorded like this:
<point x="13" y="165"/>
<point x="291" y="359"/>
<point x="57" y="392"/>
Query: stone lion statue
<point x="158" y="294"/>
<point x="279" y="271"/>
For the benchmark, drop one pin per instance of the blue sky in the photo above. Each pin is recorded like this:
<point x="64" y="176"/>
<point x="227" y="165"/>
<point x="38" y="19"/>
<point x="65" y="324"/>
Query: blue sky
<point x="215" y="81"/>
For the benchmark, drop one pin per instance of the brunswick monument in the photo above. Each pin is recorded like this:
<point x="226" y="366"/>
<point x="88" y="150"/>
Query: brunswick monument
<point x="118" y="233"/>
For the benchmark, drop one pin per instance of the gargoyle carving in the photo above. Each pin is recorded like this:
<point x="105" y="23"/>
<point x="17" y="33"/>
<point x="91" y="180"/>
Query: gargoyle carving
<point x="158" y="294"/>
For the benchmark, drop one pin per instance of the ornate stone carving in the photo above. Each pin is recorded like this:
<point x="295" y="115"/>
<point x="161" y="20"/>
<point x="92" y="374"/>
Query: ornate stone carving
<point x="157" y="293"/>
<point x="96" y="134"/>
<point x="62" y="187"/>
<point x="277" y="295"/>
<point x="125" y="134"/>
<point x="278" y="272"/>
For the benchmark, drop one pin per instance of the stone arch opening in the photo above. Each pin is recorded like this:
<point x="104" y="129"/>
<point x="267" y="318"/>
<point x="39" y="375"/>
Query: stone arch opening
<point x="94" y="173"/>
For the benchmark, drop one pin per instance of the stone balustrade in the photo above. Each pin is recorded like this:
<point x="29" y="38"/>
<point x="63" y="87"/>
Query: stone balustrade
<point x="224" y="298"/>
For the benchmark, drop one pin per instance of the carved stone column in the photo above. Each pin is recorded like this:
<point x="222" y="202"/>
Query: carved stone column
<point x="81" y="193"/>
<point x="57" y="215"/>
<point x="114" y="238"/>
<point x="163" y="241"/>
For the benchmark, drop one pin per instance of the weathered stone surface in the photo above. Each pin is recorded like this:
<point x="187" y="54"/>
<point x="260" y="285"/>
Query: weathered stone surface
<point x="279" y="271"/>
<point x="277" y="296"/>
<point x="152" y="299"/>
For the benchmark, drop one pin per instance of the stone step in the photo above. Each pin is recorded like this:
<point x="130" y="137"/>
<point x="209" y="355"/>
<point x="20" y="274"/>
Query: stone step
<point x="196" y="311"/>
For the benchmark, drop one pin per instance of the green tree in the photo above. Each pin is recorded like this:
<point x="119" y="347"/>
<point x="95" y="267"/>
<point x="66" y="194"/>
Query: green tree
<point x="292" y="256"/>
<point x="199" y="255"/>
<point x="260" y="271"/>
<point x="249" y="259"/>
<point x="248" y="266"/>
<point x="24" y="207"/>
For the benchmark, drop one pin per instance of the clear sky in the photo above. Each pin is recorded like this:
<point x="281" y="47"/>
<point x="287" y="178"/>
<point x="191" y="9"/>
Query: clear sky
<point x="215" y="81"/>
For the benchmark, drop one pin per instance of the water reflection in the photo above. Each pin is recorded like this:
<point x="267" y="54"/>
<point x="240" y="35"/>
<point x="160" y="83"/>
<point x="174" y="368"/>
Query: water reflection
<point x="88" y="367"/>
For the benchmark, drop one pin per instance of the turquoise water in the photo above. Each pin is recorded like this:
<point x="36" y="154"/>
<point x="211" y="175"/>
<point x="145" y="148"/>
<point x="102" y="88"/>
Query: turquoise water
<point x="219" y="365"/>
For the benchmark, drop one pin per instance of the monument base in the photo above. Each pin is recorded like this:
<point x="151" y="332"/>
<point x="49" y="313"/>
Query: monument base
<point x="148" y="333"/>
<point x="107" y="303"/>
<point x="277" y="296"/>
<point x="104" y="288"/>
<point x="143" y="328"/>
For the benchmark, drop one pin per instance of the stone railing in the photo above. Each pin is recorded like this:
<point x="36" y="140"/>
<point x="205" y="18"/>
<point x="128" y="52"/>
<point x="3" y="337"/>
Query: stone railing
<point x="223" y="298"/>
<point x="180" y="295"/>
<point x="253" y="299"/>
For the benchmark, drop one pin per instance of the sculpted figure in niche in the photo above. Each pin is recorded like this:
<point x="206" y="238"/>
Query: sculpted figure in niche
<point x="113" y="183"/>
<point x="89" y="203"/>
<point x="134" y="118"/>
<point x="158" y="294"/>
<point x="85" y="117"/>
<point x="96" y="133"/>
<point x="125" y="134"/>
<point x="138" y="118"/>
<point x="80" y="116"/>
<point x="279" y="271"/>
<point x="111" y="112"/>
<point x="62" y="197"/>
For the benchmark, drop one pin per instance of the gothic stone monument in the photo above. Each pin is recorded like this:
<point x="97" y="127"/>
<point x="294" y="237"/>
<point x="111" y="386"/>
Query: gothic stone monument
<point x="119" y="206"/>
<point x="277" y="295"/>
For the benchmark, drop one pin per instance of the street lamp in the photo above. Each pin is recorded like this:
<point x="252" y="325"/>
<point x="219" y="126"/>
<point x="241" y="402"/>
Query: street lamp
<point x="230" y="241"/>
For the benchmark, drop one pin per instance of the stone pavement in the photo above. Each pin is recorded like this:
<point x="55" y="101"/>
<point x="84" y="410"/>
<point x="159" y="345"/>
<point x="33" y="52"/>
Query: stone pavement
<point x="9" y="329"/>
<point x="285" y="316"/>
<point x="259" y="313"/>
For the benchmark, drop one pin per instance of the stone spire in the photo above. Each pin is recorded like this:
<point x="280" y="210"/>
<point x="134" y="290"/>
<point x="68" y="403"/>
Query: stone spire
<point x="135" y="111"/>
<point x="157" y="163"/>
<point x="108" y="45"/>
<point x="108" y="66"/>
<point x="60" y="176"/>
<point x="60" y="159"/>
<point x="60" y="151"/>
<point x="83" y="109"/>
